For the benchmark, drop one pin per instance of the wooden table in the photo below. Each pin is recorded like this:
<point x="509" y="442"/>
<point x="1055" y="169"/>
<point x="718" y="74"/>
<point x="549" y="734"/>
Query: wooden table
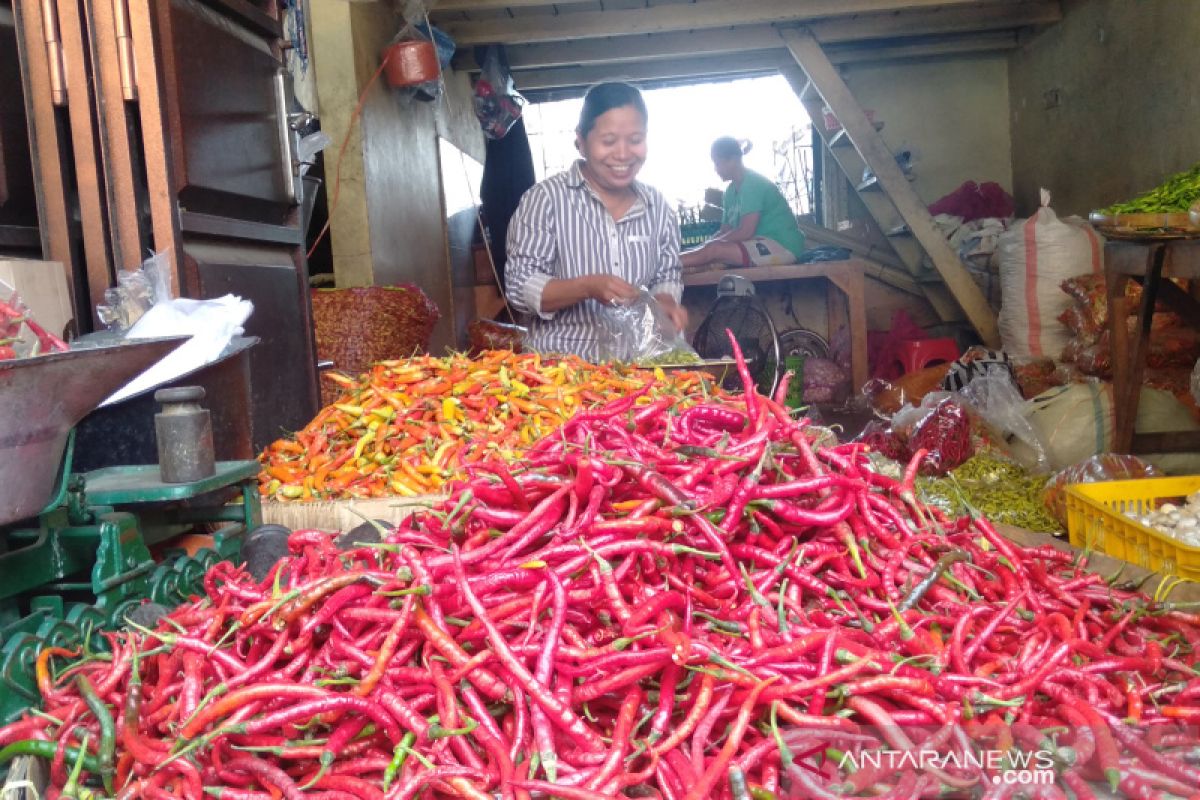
<point x="847" y="276"/>
<point x="1148" y="260"/>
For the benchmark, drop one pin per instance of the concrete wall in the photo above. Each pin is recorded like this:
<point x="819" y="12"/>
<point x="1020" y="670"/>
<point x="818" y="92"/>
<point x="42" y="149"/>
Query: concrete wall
<point x="389" y="225"/>
<point x="952" y="114"/>
<point x="1106" y="103"/>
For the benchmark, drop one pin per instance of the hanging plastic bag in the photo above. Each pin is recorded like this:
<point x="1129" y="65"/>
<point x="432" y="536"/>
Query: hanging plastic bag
<point x="640" y="332"/>
<point x="498" y="104"/>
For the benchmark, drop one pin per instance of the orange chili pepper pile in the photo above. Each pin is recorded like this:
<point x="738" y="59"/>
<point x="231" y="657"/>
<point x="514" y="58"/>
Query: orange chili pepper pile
<point x="407" y="427"/>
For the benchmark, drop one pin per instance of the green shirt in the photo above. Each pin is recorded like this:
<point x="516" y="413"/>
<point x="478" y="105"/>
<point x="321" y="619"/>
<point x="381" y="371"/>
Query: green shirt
<point x="775" y="219"/>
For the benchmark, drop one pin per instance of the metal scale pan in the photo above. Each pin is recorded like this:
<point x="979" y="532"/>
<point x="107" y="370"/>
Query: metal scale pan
<point x="42" y="399"/>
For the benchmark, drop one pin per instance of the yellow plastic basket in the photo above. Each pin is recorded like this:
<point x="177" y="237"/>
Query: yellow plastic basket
<point x="1096" y="521"/>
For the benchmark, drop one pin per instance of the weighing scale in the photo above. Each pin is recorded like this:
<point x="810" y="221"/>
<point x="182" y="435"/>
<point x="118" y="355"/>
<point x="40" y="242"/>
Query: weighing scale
<point x="75" y="547"/>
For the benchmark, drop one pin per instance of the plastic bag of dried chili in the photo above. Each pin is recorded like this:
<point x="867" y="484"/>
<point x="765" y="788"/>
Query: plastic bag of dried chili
<point x="357" y="327"/>
<point x="943" y="429"/>
<point x="486" y="334"/>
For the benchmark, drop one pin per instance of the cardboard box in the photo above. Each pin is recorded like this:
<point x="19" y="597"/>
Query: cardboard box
<point x="42" y="286"/>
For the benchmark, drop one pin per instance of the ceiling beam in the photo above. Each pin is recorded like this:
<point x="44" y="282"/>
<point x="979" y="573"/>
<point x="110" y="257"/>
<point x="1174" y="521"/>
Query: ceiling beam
<point x="756" y="61"/>
<point x="500" y="5"/>
<point x="663" y="19"/>
<point x="758" y="37"/>
<point x="759" y="61"/>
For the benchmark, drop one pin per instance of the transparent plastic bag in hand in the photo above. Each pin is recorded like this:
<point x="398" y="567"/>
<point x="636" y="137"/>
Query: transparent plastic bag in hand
<point x="641" y="332"/>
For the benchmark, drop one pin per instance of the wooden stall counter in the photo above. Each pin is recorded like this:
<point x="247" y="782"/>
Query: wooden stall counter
<point x="847" y="276"/>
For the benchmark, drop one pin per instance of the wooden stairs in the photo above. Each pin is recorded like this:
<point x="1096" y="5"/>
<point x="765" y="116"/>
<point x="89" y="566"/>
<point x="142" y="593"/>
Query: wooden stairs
<point x="925" y="262"/>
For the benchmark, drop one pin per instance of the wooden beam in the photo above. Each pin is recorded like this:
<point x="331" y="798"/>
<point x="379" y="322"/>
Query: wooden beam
<point x="761" y="61"/>
<point x="755" y="61"/>
<point x="836" y="94"/>
<point x="572" y="51"/>
<point x="662" y="19"/>
<point x="499" y="5"/>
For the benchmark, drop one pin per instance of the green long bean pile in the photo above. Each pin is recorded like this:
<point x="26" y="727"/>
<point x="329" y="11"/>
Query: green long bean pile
<point x="1176" y="194"/>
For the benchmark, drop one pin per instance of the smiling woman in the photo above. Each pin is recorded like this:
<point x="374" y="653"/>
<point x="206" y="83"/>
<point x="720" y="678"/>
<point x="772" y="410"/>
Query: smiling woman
<point x="594" y="236"/>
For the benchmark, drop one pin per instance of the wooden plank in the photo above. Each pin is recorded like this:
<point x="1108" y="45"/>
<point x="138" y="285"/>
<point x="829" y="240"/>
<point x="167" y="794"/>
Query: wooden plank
<point x="116" y="143"/>
<point x="852" y="284"/>
<point x="439" y="6"/>
<point x="47" y="148"/>
<point x="158" y="155"/>
<point x="870" y="145"/>
<point x="661" y="19"/>
<point x="731" y="64"/>
<point x="88" y="181"/>
<point x="762" y="62"/>
<point x="573" y="50"/>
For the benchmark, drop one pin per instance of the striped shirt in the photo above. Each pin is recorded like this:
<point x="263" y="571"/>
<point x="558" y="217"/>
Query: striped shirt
<point x="561" y="229"/>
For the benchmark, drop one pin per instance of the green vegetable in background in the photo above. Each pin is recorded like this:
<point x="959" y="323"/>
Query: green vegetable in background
<point x="1176" y="194"/>
<point x="672" y="357"/>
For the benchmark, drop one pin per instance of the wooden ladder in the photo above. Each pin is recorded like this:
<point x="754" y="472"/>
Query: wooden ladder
<point x="888" y="197"/>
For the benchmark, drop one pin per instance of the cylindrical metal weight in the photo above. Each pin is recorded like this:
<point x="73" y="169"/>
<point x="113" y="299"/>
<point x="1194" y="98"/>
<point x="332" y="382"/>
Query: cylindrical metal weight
<point x="184" y="432"/>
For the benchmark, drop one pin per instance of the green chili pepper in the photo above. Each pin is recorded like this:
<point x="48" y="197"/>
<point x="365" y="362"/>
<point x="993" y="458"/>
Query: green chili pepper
<point x="108" y="732"/>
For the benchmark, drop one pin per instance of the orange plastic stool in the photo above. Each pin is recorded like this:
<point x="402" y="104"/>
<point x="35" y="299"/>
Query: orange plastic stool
<point x="917" y="354"/>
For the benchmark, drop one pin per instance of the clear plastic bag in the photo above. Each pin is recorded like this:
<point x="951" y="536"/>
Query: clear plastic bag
<point x="993" y="396"/>
<point x="1098" y="468"/>
<point x="640" y="332"/>
<point x="941" y="427"/>
<point x="136" y="293"/>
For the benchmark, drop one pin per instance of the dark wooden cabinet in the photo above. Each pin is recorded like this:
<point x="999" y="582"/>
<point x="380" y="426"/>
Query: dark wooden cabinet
<point x="19" y="234"/>
<point x="163" y="125"/>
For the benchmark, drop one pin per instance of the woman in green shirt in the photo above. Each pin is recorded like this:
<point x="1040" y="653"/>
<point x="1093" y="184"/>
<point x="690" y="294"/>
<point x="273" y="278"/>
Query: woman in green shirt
<point x="757" y="227"/>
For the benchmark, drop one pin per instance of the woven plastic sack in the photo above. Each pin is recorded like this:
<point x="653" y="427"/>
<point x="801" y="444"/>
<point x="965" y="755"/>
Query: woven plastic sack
<point x="357" y="327"/>
<point x="1036" y="256"/>
<point x="1076" y="422"/>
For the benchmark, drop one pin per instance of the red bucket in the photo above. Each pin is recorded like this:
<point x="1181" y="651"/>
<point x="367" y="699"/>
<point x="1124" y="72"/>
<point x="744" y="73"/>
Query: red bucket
<point x="411" y="62"/>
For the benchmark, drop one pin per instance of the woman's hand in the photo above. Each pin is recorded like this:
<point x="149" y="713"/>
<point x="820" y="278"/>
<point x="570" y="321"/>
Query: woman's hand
<point x="676" y="312"/>
<point x="610" y="290"/>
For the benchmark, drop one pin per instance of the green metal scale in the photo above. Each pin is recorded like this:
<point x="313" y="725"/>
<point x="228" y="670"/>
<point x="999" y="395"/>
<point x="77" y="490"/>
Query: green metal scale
<point x="81" y="560"/>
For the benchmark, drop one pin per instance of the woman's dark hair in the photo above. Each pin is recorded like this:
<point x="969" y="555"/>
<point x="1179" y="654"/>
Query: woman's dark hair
<point x="605" y="97"/>
<point x="726" y="148"/>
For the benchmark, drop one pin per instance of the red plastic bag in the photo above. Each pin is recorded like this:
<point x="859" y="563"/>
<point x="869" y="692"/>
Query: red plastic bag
<point x="945" y="434"/>
<point x="940" y="426"/>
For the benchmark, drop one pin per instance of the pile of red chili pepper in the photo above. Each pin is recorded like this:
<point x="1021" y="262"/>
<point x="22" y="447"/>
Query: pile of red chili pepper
<point x="21" y="336"/>
<point x="407" y="427"/>
<point x="662" y="603"/>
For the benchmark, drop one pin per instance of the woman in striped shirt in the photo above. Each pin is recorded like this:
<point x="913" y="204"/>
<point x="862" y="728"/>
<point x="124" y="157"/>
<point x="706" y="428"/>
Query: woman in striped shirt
<point x="594" y="236"/>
